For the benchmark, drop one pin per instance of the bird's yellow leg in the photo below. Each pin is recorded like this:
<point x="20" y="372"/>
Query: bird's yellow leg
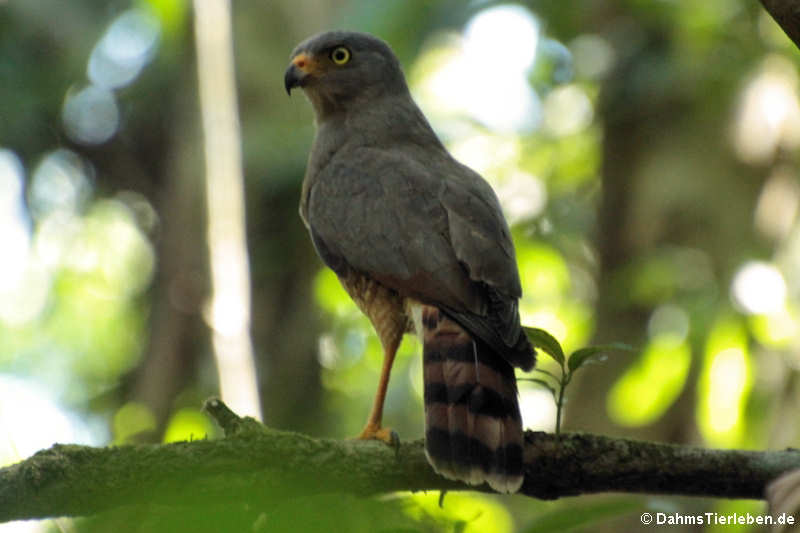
<point x="373" y="429"/>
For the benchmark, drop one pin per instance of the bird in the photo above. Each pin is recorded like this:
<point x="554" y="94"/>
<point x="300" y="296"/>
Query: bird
<point x="419" y="242"/>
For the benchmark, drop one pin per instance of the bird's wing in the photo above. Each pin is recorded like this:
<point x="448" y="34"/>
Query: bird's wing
<point x="482" y="242"/>
<point x="479" y="232"/>
<point x="443" y="241"/>
<point x="376" y="211"/>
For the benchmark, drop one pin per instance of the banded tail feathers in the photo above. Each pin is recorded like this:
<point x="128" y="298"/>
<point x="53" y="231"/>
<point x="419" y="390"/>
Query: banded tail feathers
<point x="473" y="427"/>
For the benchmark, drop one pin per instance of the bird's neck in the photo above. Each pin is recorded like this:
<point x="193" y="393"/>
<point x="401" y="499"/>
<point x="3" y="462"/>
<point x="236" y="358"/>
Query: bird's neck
<point x="387" y="121"/>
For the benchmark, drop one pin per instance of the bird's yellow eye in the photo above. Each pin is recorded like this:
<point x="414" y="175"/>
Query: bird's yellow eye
<point x="340" y="55"/>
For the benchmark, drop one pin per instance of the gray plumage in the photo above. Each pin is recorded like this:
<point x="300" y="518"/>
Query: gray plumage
<point x="383" y="199"/>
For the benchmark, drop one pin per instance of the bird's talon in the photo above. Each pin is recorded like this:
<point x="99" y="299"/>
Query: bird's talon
<point x="385" y="435"/>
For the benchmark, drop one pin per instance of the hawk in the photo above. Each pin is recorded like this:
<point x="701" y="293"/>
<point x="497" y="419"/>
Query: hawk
<point x="419" y="242"/>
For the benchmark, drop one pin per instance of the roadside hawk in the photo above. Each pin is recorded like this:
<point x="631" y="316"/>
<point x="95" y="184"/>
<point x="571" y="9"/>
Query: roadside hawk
<point x="419" y="242"/>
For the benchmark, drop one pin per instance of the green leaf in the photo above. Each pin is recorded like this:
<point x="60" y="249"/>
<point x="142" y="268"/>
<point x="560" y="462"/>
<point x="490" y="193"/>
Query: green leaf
<point x="584" y="516"/>
<point x="548" y="374"/>
<point x="541" y="339"/>
<point x="544" y="384"/>
<point x="582" y="356"/>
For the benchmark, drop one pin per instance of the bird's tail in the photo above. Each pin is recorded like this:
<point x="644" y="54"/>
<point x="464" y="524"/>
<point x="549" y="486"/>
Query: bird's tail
<point x="473" y="429"/>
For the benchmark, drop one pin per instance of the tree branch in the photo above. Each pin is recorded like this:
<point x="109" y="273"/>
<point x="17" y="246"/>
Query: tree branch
<point x="257" y="465"/>
<point x="787" y="14"/>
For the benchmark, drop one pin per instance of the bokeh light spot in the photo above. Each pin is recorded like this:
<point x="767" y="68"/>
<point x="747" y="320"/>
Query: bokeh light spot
<point x="502" y="38"/>
<point x="727" y="376"/>
<point x="131" y="420"/>
<point x="537" y="407"/>
<point x="649" y="387"/>
<point x="14" y="225"/>
<point x="483" y="72"/>
<point x="24" y="285"/>
<point x="127" y="46"/>
<point x="758" y="288"/>
<point x="59" y="183"/>
<point x="725" y="384"/>
<point x="567" y="110"/>
<point x="23" y="401"/>
<point x="91" y="115"/>
<point x="592" y="55"/>
<point x="522" y="196"/>
<point x="669" y="319"/>
<point x="769" y="112"/>
<point x="187" y="425"/>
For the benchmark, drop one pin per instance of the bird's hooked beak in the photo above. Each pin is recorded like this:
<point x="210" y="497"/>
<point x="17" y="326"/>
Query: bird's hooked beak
<point x="300" y="69"/>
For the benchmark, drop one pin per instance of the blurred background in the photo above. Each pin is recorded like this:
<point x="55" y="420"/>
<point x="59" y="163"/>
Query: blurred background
<point x="645" y="154"/>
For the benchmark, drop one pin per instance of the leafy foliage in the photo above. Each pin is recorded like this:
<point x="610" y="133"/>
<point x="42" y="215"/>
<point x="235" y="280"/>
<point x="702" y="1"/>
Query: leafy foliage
<point x="568" y="366"/>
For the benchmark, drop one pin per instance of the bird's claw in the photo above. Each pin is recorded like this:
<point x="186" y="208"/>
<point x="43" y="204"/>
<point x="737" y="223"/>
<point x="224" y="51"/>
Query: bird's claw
<point x="386" y="435"/>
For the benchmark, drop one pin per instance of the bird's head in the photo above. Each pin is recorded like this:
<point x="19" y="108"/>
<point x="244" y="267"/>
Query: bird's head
<point x="337" y="68"/>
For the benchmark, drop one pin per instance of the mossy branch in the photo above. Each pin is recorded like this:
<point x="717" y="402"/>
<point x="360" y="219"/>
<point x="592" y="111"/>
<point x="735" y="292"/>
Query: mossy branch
<point x="258" y="466"/>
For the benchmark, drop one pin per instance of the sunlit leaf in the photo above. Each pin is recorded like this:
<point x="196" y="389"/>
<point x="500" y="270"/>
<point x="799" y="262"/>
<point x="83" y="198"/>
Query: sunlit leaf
<point x="331" y="296"/>
<point x="132" y="419"/>
<point x="188" y="424"/>
<point x="725" y="383"/>
<point x="569" y="321"/>
<point x="587" y="513"/>
<point x="466" y="512"/>
<point x="652" y="384"/>
<point x="584" y="355"/>
<point x="548" y="344"/>
<point x="172" y="14"/>
<point x="543" y="270"/>
<point x="741" y="508"/>
<point x="778" y="329"/>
